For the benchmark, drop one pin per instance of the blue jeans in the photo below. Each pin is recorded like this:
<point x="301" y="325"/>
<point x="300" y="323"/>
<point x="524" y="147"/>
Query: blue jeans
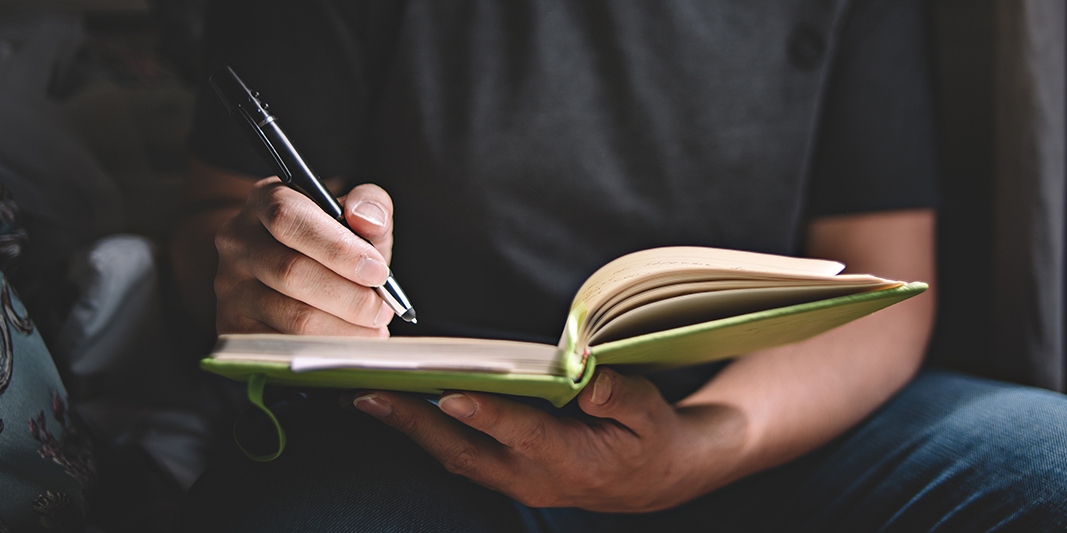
<point x="948" y="453"/>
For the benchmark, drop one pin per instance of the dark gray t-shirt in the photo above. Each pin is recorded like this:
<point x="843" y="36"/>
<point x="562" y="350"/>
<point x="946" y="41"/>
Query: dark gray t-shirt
<point x="527" y="143"/>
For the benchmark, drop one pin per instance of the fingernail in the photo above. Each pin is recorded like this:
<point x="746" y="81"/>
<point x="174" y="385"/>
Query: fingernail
<point x="458" y="405"/>
<point x="601" y="389"/>
<point x="371" y="272"/>
<point x="373" y="405"/>
<point x="371" y="212"/>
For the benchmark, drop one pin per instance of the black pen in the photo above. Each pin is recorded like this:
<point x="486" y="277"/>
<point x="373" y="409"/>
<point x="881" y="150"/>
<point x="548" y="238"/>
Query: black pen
<point x="276" y="150"/>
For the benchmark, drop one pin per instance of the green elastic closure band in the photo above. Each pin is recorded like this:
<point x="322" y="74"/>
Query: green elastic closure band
<point x="256" y="382"/>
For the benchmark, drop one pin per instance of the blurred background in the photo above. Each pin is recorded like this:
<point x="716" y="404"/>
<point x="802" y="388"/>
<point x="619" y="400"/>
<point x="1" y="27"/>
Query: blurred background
<point x="95" y="103"/>
<point x="96" y="98"/>
<point x="120" y="72"/>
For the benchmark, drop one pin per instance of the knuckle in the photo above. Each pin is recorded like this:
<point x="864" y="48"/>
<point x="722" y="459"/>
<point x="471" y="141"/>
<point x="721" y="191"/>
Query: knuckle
<point x="281" y="217"/>
<point x="384" y="318"/>
<point x="290" y="270"/>
<point x="225" y="242"/>
<point x="405" y="422"/>
<point x="301" y="320"/>
<point x="461" y="461"/>
<point x="364" y="307"/>
<point x="231" y="322"/>
<point x="222" y="286"/>
<point x="532" y="440"/>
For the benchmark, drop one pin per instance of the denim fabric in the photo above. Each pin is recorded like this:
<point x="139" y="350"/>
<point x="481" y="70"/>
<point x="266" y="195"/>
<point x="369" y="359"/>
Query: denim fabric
<point x="949" y="453"/>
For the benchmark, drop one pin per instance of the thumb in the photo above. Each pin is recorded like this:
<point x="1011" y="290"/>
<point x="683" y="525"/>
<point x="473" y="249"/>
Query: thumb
<point x="632" y="401"/>
<point x="369" y="212"/>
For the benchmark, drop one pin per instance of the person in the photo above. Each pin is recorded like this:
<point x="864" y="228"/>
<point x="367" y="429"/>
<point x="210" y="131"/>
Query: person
<point x="516" y="147"/>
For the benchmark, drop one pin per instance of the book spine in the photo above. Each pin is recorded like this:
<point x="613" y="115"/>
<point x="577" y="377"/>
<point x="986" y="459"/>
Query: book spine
<point x="573" y="354"/>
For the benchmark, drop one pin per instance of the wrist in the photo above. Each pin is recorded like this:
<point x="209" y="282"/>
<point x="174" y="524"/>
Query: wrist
<point x="712" y="448"/>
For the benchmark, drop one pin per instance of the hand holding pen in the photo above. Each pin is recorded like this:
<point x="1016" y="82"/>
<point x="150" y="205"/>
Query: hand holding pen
<point x="294" y="260"/>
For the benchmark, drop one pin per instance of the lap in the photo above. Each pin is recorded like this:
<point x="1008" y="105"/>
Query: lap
<point x="341" y="471"/>
<point x="953" y="453"/>
<point x="949" y="452"/>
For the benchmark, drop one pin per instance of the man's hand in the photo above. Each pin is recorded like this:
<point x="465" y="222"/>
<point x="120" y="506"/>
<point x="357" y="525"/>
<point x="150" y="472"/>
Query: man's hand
<point x="642" y="454"/>
<point x="286" y="266"/>
<point x="639" y="454"/>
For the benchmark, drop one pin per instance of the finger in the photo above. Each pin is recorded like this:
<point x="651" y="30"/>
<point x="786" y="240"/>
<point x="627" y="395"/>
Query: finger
<point x="300" y="277"/>
<point x="632" y="401"/>
<point x="296" y="222"/>
<point x="461" y="450"/>
<point x="521" y="428"/>
<point x="246" y="249"/>
<point x="369" y="212"/>
<point x="239" y="323"/>
<point x="262" y="304"/>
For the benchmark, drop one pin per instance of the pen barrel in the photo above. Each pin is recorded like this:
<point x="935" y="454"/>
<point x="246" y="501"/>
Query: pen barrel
<point x="290" y="165"/>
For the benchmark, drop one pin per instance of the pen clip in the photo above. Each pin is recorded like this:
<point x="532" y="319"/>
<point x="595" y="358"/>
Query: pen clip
<point x="240" y="100"/>
<point x="265" y="147"/>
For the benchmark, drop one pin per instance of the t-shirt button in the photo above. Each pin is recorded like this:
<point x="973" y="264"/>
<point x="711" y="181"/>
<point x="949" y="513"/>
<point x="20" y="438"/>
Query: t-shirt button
<point x="806" y="48"/>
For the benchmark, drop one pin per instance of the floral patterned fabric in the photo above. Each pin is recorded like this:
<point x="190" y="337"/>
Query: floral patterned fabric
<point x="46" y="464"/>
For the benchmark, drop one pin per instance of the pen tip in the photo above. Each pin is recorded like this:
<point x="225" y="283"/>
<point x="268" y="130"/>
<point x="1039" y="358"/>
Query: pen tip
<point x="409" y="316"/>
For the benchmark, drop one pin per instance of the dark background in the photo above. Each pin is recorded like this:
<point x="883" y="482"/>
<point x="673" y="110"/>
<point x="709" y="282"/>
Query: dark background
<point x="133" y="102"/>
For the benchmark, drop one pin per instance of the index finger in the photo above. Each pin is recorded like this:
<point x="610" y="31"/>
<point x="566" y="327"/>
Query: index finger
<point x="460" y="450"/>
<point x="523" y="429"/>
<point x="298" y="223"/>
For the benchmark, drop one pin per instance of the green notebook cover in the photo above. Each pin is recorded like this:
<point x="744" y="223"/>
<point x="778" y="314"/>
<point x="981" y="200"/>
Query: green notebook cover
<point x="687" y="345"/>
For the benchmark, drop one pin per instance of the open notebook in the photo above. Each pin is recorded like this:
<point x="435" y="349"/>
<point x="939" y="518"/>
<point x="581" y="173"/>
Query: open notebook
<point x="655" y="308"/>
